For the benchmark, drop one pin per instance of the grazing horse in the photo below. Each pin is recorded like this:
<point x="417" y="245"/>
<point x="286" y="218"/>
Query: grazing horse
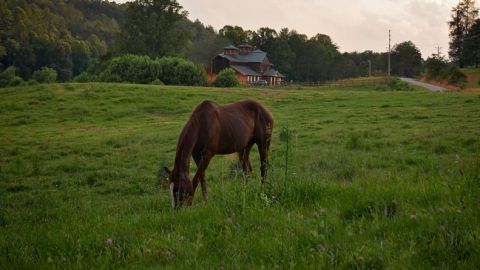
<point x="218" y="129"/>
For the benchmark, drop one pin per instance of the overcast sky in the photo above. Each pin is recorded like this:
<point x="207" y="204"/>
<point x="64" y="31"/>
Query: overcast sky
<point x="354" y="25"/>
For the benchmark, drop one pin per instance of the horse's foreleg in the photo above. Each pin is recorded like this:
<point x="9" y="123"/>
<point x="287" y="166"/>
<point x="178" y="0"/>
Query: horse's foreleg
<point x="202" y="162"/>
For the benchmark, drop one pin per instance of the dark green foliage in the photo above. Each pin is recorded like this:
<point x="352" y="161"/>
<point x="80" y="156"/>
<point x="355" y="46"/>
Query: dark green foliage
<point x="157" y="82"/>
<point x="226" y="78"/>
<point x="142" y="69"/>
<point x="131" y="68"/>
<point x="472" y="45"/>
<point x="84" y="77"/>
<point x="7" y="76"/>
<point x="155" y="28"/>
<point x="178" y="71"/>
<point x="16" y="81"/>
<point x="436" y="68"/>
<point x="406" y="60"/>
<point x="235" y="34"/>
<point x="463" y="45"/>
<point x="456" y="76"/>
<point x="399" y="85"/>
<point x="45" y="75"/>
<point x="60" y="34"/>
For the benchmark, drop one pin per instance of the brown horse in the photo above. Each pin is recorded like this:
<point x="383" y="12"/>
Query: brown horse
<point x="215" y="129"/>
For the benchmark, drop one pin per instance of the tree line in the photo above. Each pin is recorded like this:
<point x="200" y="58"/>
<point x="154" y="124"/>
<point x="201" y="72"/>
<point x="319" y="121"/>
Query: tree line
<point x="465" y="34"/>
<point x="83" y="38"/>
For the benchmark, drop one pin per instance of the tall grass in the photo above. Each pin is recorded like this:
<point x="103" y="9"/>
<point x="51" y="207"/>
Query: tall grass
<point x="357" y="178"/>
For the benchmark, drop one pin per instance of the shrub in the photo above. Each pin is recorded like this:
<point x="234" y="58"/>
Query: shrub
<point x="398" y="85"/>
<point x="178" y="71"/>
<point x="226" y="78"/>
<point x="143" y="69"/>
<point x="45" y="75"/>
<point x="83" y="77"/>
<point x="6" y="76"/>
<point x="130" y="68"/>
<point x="456" y="77"/>
<point x="16" y="81"/>
<point x="31" y="82"/>
<point x="157" y="82"/>
<point x="436" y="68"/>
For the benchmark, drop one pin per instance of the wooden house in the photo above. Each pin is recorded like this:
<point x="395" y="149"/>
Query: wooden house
<point x="250" y="65"/>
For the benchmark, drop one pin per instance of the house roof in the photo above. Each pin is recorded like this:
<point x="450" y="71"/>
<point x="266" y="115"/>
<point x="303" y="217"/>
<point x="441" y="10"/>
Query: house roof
<point x="230" y="47"/>
<point x="256" y="56"/>
<point x="273" y="73"/>
<point x="245" y="70"/>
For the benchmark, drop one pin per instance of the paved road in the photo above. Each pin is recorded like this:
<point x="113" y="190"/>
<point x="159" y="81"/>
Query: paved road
<point x="428" y="86"/>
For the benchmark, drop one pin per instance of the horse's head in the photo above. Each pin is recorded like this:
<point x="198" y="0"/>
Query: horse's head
<point x="181" y="189"/>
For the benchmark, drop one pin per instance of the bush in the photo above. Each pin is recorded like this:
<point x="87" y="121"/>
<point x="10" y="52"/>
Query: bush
<point x="16" y="81"/>
<point x="130" y="68"/>
<point x="456" y="77"/>
<point x="226" y="78"/>
<point x="30" y="82"/>
<point x="82" y="78"/>
<point x="143" y="69"/>
<point x="157" y="82"/>
<point x="178" y="71"/>
<point x="398" y="85"/>
<point x="45" y="75"/>
<point x="6" y="76"/>
<point x="436" y="68"/>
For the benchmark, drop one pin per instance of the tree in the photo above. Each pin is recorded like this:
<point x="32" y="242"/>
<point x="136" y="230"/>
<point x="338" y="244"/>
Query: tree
<point x="406" y="60"/>
<point x="472" y="45"/>
<point x="235" y="34"/>
<point x="463" y="18"/>
<point x="264" y="38"/>
<point x="154" y="28"/>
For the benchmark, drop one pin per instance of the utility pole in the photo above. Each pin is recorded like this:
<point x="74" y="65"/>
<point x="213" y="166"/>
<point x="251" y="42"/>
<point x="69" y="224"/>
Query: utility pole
<point x="438" y="51"/>
<point x="389" y="51"/>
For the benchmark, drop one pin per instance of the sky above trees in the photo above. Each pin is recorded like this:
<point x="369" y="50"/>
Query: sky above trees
<point x="353" y="25"/>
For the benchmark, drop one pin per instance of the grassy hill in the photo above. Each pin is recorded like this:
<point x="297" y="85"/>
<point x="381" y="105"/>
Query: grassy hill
<point x="375" y="179"/>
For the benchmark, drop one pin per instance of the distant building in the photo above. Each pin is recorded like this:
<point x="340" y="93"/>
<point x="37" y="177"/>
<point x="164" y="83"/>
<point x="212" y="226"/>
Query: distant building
<point x="250" y="66"/>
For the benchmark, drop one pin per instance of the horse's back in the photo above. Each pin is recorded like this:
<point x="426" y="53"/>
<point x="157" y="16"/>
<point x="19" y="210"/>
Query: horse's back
<point x="230" y="128"/>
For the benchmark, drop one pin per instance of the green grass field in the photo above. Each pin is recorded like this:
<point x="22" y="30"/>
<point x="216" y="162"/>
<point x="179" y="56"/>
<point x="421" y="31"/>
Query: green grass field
<point x="375" y="180"/>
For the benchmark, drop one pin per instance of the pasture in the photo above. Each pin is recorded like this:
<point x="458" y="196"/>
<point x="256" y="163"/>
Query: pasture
<point x="357" y="178"/>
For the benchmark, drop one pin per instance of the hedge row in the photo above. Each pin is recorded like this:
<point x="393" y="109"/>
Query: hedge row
<point x="143" y="69"/>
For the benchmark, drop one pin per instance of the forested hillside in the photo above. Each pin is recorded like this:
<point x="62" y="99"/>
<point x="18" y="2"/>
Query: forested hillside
<point x="75" y="36"/>
<point x="67" y="35"/>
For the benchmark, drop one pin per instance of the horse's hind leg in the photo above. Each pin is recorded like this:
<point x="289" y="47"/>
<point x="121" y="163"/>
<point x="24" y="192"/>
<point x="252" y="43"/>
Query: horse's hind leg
<point x="202" y="161"/>
<point x="263" y="148"/>
<point x="244" y="157"/>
